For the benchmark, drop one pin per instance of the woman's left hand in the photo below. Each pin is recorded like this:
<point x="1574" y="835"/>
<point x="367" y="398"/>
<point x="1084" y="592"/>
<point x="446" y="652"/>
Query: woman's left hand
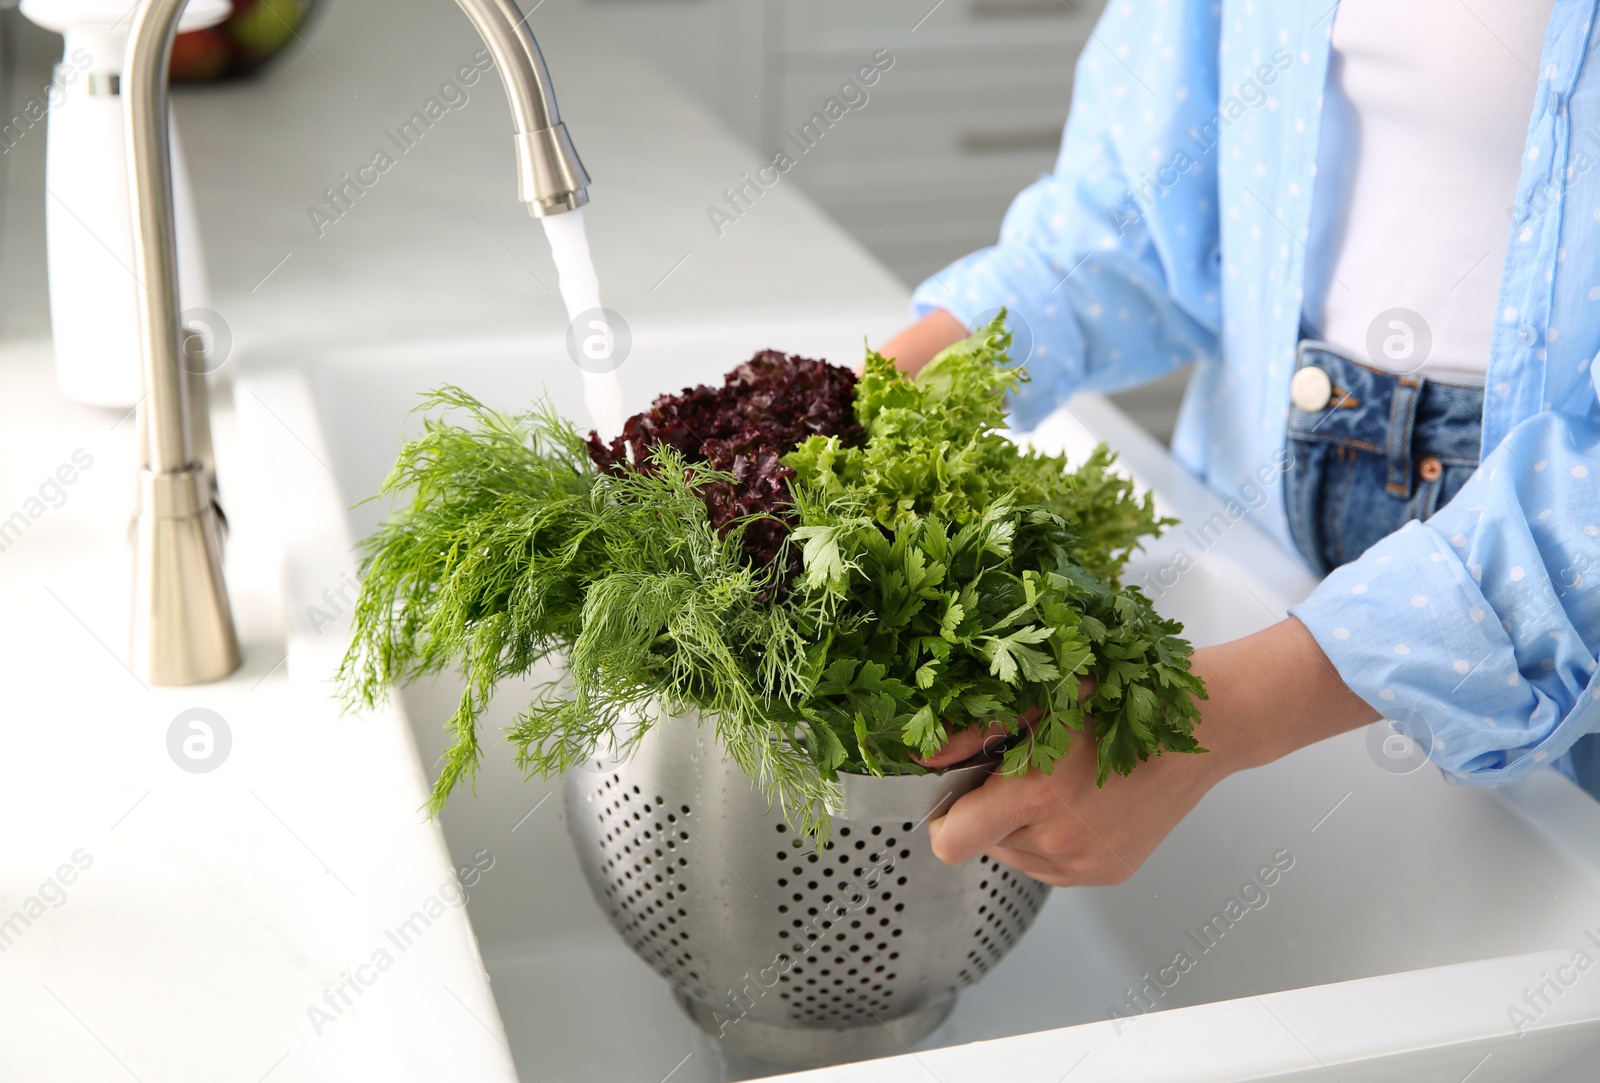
<point x="1270" y="693"/>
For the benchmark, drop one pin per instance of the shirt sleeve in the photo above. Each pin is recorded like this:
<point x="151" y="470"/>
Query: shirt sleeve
<point x="1111" y="264"/>
<point x="1475" y="632"/>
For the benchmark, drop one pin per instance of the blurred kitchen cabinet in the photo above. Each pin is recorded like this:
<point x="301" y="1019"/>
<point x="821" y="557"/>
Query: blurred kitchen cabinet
<point x="920" y="173"/>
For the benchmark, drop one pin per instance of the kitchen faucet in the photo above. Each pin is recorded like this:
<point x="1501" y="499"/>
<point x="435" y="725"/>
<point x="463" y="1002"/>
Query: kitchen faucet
<point x="182" y="622"/>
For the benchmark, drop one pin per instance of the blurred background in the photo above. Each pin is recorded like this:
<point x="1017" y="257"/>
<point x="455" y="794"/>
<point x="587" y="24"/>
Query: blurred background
<point x="970" y="115"/>
<point x="918" y="175"/>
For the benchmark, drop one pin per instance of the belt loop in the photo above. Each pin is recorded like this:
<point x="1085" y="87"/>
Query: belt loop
<point x="1402" y="423"/>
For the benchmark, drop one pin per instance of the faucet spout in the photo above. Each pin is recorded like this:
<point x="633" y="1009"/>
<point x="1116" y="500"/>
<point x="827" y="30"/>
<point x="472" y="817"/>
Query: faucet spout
<point x="183" y="629"/>
<point x="550" y="178"/>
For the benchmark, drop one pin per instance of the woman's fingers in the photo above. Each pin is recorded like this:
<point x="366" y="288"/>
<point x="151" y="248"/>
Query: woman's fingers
<point x="978" y="737"/>
<point x="981" y="819"/>
<point x="965" y="744"/>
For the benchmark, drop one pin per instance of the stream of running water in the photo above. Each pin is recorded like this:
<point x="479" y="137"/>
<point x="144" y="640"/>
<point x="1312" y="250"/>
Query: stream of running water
<point x="593" y="338"/>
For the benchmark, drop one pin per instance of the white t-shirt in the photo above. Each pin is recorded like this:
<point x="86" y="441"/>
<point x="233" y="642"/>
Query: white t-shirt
<point x="1423" y="127"/>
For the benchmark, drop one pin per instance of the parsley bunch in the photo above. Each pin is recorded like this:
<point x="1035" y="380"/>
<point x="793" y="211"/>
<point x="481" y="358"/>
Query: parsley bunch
<point x="952" y="578"/>
<point x="926" y="577"/>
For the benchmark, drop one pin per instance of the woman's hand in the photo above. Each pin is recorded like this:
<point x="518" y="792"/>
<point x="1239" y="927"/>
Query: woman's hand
<point x="1270" y="693"/>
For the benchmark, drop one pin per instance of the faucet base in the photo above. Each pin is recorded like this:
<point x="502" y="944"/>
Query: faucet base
<point x="183" y="624"/>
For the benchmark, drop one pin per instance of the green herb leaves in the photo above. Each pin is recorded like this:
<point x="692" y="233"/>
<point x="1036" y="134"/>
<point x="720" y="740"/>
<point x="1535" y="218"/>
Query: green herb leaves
<point x="933" y="624"/>
<point x="974" y="582"/>
<point x="511" y="548"/>
<point x="940" y="625"/>
<point x="935" y="446"/>
<point x="941" y="577"/>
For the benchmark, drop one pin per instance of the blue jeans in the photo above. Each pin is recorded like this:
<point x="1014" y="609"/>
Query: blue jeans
<point x="1385" y="449"/>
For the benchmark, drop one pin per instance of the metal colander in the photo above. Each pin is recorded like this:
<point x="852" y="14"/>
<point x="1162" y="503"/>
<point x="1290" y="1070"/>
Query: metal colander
<point x="798" y="955"/>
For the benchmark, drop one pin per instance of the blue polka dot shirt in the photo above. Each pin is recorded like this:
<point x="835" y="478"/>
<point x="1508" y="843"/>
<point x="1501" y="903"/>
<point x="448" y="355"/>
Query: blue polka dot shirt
<point x="1174" y="228"/>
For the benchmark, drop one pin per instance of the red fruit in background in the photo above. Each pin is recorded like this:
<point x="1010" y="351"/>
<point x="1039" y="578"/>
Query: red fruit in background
<point x="200" y="55"/>
<point x="252" y="34"/>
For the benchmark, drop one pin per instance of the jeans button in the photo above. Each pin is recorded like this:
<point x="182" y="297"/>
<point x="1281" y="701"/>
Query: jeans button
<point x="1430" y="468"/>
<point x="1310" y="389"/>
<point x="1526" y="335"/>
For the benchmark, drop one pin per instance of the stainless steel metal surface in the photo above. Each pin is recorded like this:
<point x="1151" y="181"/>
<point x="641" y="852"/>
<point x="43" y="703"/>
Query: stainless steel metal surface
<point x="183" y="624"/>
<point x="182" y="621"/>
<point x="550" y="178"/>
<point x="783" y="1043"/>
<point x="184" y="628"/>
<point x="918" y="798"/>
<point x="790" y="953"/>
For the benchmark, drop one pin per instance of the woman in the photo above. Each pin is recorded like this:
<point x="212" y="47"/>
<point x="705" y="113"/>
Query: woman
<point x="1376" y="231"/>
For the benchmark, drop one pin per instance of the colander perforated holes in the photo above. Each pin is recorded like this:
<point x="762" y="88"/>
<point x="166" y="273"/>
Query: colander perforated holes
<point x="712" y="892"/>
<point x="644" y="869"/>
<point x="839" y="978"/>
<point x="1014" y="899"/>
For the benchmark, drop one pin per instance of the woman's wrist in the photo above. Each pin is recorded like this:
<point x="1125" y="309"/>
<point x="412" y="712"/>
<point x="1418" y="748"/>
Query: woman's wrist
<point x="1271" y="694"/>
<point x="918" y="344"/>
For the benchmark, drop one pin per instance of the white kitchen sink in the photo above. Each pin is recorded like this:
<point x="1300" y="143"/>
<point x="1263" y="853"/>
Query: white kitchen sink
<point x="1436" y="905"/>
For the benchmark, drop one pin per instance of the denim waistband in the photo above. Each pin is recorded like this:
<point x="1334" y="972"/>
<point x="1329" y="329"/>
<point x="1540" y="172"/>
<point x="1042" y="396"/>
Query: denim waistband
<point x="1402" y="417"/>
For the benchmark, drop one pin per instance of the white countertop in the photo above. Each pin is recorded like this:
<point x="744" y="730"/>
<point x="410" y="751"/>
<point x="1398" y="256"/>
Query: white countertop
<point x="202" y="915"/>
<point x="209" y="913"/>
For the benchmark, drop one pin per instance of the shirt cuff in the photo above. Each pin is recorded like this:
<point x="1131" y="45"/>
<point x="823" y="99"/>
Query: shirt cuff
<point x="1410" y="632"/>
<point x="1044" y="334"/>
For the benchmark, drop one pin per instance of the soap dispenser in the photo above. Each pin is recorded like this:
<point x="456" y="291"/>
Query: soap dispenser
<point x="93" y="289"/>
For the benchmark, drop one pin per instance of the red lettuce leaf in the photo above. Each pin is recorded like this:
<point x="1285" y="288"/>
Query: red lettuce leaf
<point x="762" y="411"/>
